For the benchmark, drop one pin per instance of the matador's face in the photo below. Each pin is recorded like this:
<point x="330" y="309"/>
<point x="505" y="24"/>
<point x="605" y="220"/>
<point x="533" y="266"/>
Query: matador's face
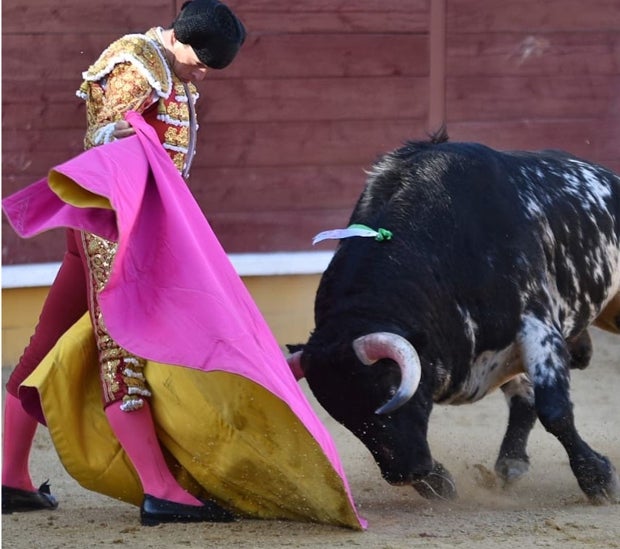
<point x="185" y="63"/>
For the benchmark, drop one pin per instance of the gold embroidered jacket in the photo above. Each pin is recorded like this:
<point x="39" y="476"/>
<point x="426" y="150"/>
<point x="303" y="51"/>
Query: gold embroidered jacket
<point x="133" y="74"/>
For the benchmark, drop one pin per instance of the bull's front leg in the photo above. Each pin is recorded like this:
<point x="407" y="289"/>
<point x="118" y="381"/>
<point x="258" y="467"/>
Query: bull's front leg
<point x="547" y="358"/>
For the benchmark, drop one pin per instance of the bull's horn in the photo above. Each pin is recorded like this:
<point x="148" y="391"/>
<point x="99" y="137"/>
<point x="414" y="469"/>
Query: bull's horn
<point x="294" y="362"/>
<point x="373" y="347"/>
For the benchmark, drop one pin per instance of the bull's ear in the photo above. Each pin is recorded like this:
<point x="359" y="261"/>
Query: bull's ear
<point x="294" y="347"/>
<point x="294" y="362"/>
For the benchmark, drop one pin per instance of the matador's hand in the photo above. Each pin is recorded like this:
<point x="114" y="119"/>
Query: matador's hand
<point x="122" y="128"/>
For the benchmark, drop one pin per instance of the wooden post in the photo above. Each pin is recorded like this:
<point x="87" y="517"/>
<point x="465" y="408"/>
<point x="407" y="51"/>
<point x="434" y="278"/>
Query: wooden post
<point x="437" y="70"/>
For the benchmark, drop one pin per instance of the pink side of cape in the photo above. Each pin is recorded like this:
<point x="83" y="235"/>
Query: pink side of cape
<point x="173" y="296"/>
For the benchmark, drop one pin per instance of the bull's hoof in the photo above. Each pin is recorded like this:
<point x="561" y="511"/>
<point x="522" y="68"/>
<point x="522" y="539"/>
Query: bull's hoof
<point x="510" y="469"/>
<point x="599" y="481"/>
<point x="608" y="493"/>
<point x="438" y="484"/>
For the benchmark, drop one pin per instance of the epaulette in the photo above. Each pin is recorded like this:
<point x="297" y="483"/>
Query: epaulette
<point x="139" y="50"/>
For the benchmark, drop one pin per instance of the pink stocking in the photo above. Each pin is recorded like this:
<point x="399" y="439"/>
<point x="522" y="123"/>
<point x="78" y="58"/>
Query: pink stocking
<point x="19" y="430"/>
<point x="136" y="433"/>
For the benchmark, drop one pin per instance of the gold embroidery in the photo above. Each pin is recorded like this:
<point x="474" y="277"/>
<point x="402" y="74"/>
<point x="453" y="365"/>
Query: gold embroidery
<point x="179" y="160"/>
<point x="177" y="136"/>
<point x="121" y="371"/>
<point x="100" y="253"/>
<point x="140" y="50"/>
<point x="178" y="111"/>
<point x="131" y="403"/>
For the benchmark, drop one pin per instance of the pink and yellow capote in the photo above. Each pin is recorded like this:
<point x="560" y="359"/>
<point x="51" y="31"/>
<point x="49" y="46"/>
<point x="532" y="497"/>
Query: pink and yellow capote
<point x="231" y="417"/>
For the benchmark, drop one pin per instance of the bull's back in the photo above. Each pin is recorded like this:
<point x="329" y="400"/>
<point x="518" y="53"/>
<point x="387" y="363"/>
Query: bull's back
<point x="478" y="229"/>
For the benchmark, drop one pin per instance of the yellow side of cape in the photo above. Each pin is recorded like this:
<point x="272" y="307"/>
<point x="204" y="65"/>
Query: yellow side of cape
<point x="225" y="437"/>
<point x="72" y="193"/>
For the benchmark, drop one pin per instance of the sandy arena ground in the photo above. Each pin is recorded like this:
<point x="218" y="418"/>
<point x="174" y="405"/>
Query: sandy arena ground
<point x="545" y="509"/>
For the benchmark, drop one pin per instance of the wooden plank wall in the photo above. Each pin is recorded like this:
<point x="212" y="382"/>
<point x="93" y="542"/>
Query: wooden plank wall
<point x="319" y="90"/>
<point x="528" y="74"/>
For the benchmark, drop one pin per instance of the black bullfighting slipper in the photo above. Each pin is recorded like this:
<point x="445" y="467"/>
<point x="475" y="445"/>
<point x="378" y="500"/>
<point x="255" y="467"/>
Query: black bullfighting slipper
<point x="155" y="511"/>
<point x="15" y="500"/>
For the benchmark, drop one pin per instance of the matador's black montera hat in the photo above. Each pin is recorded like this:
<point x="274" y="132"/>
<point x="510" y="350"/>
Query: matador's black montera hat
<point x="212" y="30"/>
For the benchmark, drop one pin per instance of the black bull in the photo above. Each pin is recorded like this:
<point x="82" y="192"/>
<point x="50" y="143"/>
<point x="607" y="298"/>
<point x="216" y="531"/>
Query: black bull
<point x="498" y="264"/>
